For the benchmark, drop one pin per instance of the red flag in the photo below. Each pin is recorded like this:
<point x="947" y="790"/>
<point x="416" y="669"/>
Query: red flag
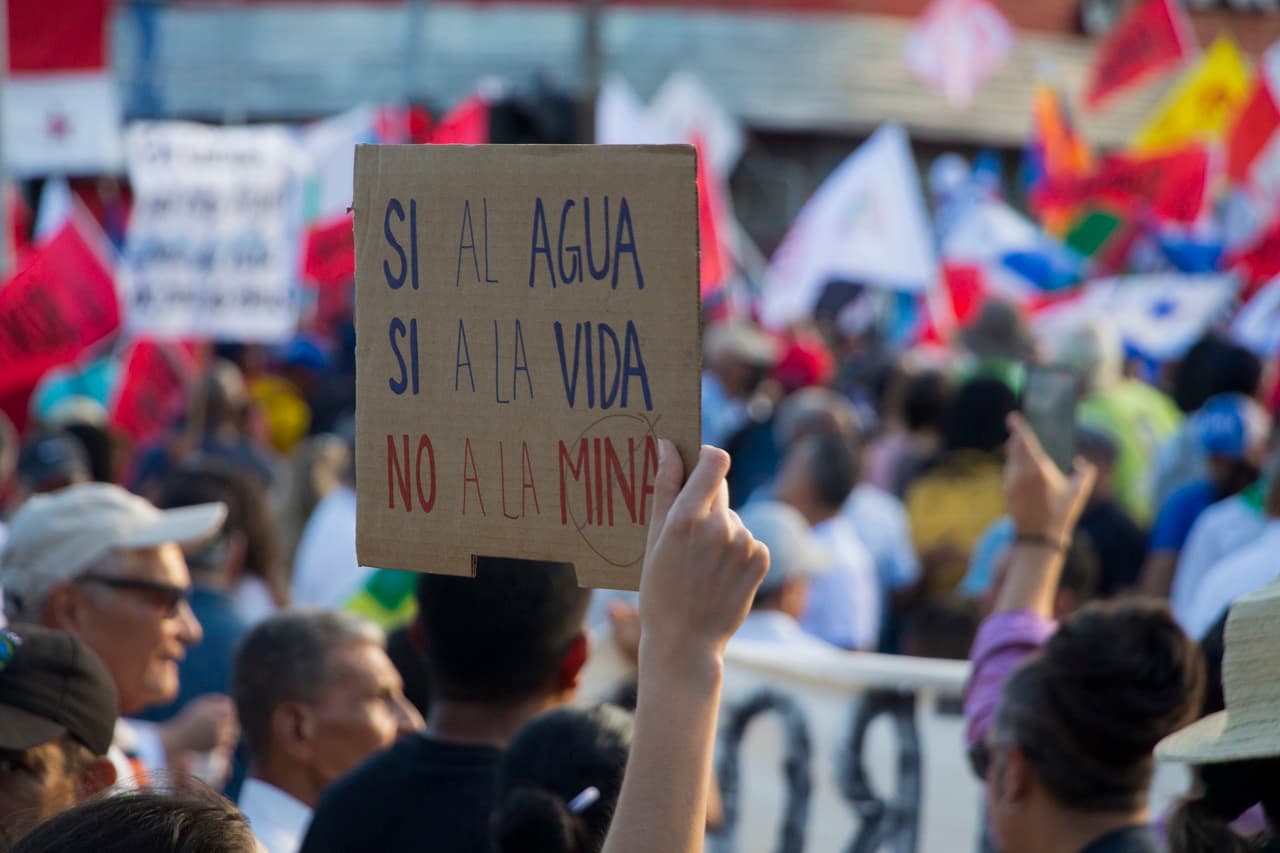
<point x="713" y="260"/>
<point x="1153" y="37"/>
<point x="964" y="289"/>
<point x="1254" y="128"/>
<point x="329" y="263"/>
<point x="1259" y="261"/>
<point x="465" y="124"/>
<point x="151" y="391"/>
<point x="61" y="303"/>
<point x="403" y="125"/>
<point x="19" y="225"/>
<point x="1171" y="186"/>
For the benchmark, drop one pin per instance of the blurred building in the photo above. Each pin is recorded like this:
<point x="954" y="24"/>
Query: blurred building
<point x="808" y="77"/>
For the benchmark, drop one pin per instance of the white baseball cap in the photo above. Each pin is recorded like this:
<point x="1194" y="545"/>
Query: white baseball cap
<point x="793" y="549"/>
<point x="55" y="537"/>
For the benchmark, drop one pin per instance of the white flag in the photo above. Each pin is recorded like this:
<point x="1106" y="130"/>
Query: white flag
<point x="329" y="147"/>
<point x="686" y="108"/>
<point x="866" y="223"/>
<point x="1161" y="315"/>
<point x="623" y="119"/>
<point x="1257" y="326"/>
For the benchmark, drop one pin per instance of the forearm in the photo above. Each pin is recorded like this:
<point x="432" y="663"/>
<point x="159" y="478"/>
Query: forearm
<point x="663" y="804"/>
<point x="1031" y="583"/>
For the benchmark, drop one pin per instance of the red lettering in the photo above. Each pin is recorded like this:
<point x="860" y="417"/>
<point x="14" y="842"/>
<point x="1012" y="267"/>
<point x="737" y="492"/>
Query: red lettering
<point x="599" y="478"/>
<point x="650" y="471"/>
<point x="424" y="443"/>
<point x="469" y="461"/>
<point x="579" y="471"/>
<point x="502" y="482"/>
<point x="397" y="473"/>
<point x="613" y="466"/>
<point x="526" y="479"/>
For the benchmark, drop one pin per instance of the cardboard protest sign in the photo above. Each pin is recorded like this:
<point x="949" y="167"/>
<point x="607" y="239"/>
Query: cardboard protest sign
<point x="212" y="245"/>
<point x="527" y="325"/>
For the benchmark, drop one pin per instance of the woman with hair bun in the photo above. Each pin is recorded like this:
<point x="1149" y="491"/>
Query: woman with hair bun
<point x="559" y="780"/>
<point x="1062" y="719"/>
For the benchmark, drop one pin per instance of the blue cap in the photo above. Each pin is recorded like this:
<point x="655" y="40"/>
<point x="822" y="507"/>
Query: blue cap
<point x="1231" y="425"/>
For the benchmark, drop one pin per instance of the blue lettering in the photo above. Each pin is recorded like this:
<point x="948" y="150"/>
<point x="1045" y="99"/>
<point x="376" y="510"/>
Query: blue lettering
<point x="597" y="274"/>
<point x="458" y="361"/>
<point x="467" y="240"/>
<point x="395" y="281"/>
<point x="629" y="245"/>
<point x="540" y="218"/>
<point x="575" y="271"/>
<point x="635" y="368"/>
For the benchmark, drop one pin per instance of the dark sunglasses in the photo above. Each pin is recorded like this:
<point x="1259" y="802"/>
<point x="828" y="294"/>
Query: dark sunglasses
<point x="166" y="597"/>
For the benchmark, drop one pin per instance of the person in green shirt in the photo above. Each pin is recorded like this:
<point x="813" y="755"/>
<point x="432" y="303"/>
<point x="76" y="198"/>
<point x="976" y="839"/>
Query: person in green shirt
<point x="1138" y="416"/>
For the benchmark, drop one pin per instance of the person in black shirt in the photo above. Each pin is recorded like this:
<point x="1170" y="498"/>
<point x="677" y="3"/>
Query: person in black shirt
<point x="499" y="648"/>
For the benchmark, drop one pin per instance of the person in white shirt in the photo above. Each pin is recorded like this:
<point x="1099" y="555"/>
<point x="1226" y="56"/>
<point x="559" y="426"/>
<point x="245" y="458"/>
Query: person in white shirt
<point x="316" y="695"/>
<point x="326" y="572"/>
<point x="1221" y="530"/>
<point x="817" y="476"/>
<point x="795" y="557"/>
<point x="1246" y="569"/>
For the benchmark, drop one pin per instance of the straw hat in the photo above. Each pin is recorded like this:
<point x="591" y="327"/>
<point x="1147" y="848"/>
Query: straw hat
<point x="1250" y="727"/>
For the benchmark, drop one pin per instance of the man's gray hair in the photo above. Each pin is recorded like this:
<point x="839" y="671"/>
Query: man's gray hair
<point x="286" y="659"/>
<point x="25" y="593"/>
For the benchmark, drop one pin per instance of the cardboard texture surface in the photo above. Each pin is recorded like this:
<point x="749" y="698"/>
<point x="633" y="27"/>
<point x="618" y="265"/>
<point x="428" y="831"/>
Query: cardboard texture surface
<point x="527" y="325"/>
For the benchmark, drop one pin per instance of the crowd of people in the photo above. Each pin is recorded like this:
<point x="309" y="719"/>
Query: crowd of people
<point x="188" y="626"/>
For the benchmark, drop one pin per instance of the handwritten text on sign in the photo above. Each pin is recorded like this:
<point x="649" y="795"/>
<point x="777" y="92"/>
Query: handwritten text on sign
<point x="527" y="325"/>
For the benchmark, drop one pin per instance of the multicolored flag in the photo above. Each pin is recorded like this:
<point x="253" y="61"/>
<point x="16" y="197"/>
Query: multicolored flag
<point x="1169" y="186"/>
<point x="62" y="113"/>
<point x="1203" y="103"/>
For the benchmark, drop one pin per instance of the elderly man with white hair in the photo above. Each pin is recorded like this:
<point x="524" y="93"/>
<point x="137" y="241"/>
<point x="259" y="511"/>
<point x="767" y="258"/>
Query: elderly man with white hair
<point x="105" y="565"/>
<point x="1137" y="416"/>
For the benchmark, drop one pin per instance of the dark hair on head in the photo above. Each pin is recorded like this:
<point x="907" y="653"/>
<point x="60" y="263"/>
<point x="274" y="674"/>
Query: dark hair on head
<point x="208" y="480"/>
<point x="145" y="821"/>
<point x="924" y="400"/>
<point x="831" y="466"/>
<point x="554" y="759"/>
<point x="1089" y="708"/>
<point x="941" y="628"/>
<point x="286" y="658"/>
<point x="1214" y="365"/>
<point x="100" y="446"/>
<point x="1081" y="568"/>
<point x="976" y="417"/>
<point x="502" y="635"/>
<point x="1203" y="824"/>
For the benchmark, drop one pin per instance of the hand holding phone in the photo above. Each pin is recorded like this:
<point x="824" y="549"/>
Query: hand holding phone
<point x="1049" y="400"/>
